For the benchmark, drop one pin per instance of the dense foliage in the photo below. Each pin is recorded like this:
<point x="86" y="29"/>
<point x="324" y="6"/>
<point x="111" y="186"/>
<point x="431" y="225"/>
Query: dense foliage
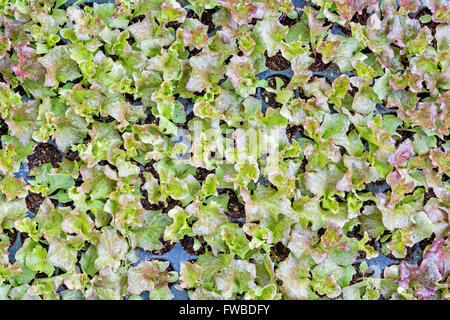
<point x="119" y="129"/>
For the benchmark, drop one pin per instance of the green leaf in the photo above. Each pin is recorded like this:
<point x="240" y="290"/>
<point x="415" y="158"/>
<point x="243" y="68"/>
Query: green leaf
<point x="179" y="226"/>
<point x="152" y="230"/>
<point x="334" y="125"/>
<point x="59" y="3"/>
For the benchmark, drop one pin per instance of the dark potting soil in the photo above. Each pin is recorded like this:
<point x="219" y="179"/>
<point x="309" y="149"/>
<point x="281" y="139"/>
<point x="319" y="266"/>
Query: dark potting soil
<point x="144" y="199"/>
<point x="171" y="203"/>
<point x="167" y="246"/>
<point x="345" y="30"/>
<point x="44" y="153"/>
<point x="192" y="15"/>
<point x="150" y="206"/>
<point x="361" y="255"/>
<point x="301" y="94"/>
<point x="286" y="21"/>
<point x="269" y="97"/>
<point x="318" y="64"/>
<point x="354" y="233"/>
<point x="168" y="269"/>
<point x="351" y="127"/>
<point x="405" y="134"/>
<point x="151" y="119"/>
<point x="150" y="168"/>
<point x="21" y="91"/>
<point x="185" y="125"/>
<point x="235" y="208"/>
<point x="207" y="19"/>
<point x="254" y="21"/>
<point x="428" y="195"/>
<point x="12" y="235"/>
<point x="187" y="243"/>
<point x="353" y="91"/>
<point x="358" y="276"/>
<point x="271" y="185"/>
<point x="409" y="250"/>
<point x="72" y="155"/>
<point x="192" y="52"/>
<point x="202" y="173"/>
<point x="3" y="130"/>
<point x="409" y="254"/>
<point x="138" y="19"/>
<point x="279" y="252"/>
<point x="303" y="165"/>
<point x="425" y="242"/>
<point x="366" y="50"/>
<point x="3" y="127"/>
<point x="34" y="201"/>
<point x="107" y="119"/>
<point x="291" y="131"/>
<point x="23" y="236"/>
<point x="404" y="61"/>
<point x="420" y="95"/>
<point x="321" y="232"/>
<point x="440" y="141"/>
<point x="277" y="62"/>
<point x="173" y="24"/>
<point x="41" y="275"/>
<point x="361" y="18"/>
<point x="373" y="243"/>
<point x="431" y="25"/>
<point x="369" y="203"/>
